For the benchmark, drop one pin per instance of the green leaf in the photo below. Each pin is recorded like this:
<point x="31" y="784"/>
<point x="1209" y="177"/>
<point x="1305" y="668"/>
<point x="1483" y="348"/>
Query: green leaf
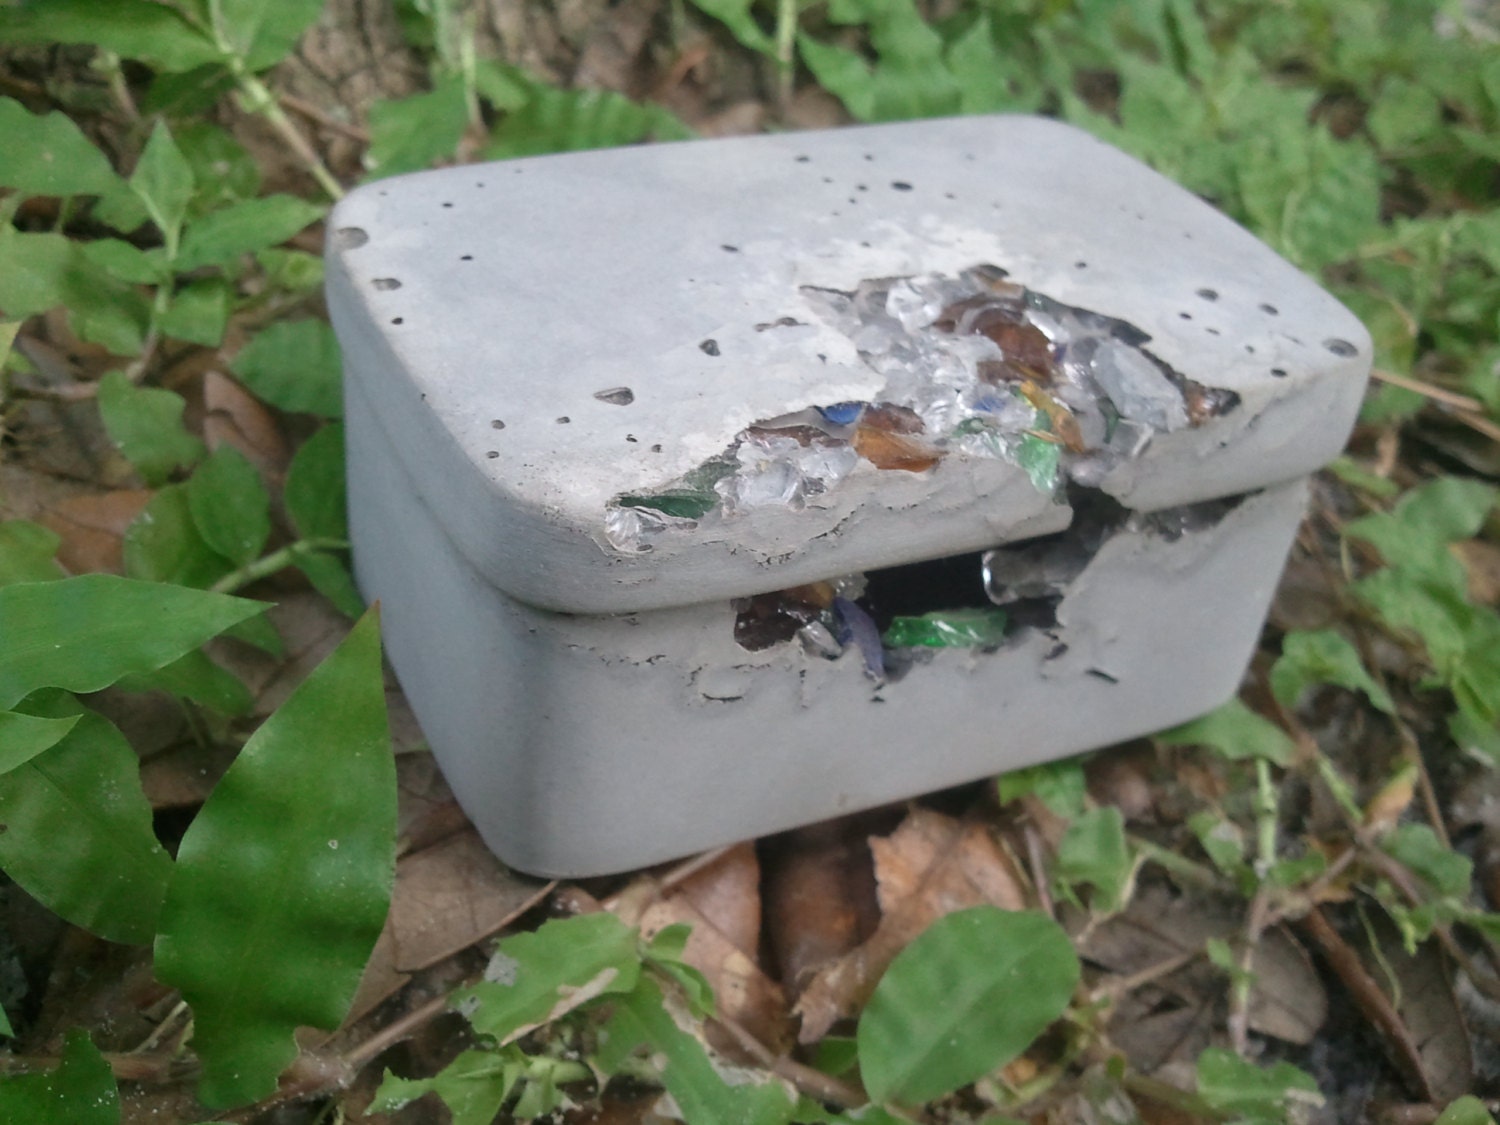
<point x="1236" y="732"/>
<point x="331" y="578"/>
<point x="666" y="953"/>
<point x="473" y="1086"/>
<point x="198" y="678"/>
<point x="39" y="272"/>
<point x="314" y="493"/>
<point x="82" y="634"/>
<point x="537" y="977"/>
<point x="921" y="1037"/>
<point x="81" y="1091"/>
<point x="136" y="29"/>
<point x="48" y="155"/>
<point x="163" y="180"/>
<point x="1232" y="1085"/>
<point x="264" y="32"/>
<point x="1059" y="785"/>
<point x="222" y="235"/>
<point x="910" y="79"/>
<point x="224" y="172"/>
<point x="554" y="120"/>
<point x="23" y="737"/>
<point x="283" y="879"/>
<point x="125" y="262"/>
<point x="1418" y="847"/>
<point x="26" y="551"/>
<point x="702" y="1091"/>
<point x="1094" y="852"/>
<point x="1323" y="657"/>
<point x="1468" y="1110"/>
<point x="1413" y="537"/>
<point x="230" y="506"/>
<point x="78" y="828"/>
<point x="294" y="365"/>
<point x="163" y="544"/>
<point x="199" y="312"/>
<point x="736" y="16"/>
<point x="408" y="134"/>
<point x="146" y="424"/>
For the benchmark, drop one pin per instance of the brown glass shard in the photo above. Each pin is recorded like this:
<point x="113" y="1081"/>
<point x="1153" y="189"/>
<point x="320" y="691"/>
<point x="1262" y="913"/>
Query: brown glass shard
<point x="894" y="451"/>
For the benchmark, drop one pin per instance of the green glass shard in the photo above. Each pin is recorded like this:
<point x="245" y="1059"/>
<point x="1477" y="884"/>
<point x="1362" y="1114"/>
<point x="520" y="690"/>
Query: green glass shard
<point x="684" y="503"/>
<point x="952" y="628"/>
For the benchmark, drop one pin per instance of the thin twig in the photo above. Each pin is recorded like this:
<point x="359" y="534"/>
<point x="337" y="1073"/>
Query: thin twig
<point x="1428" y="390"/>
<point x="326" y="120"/>
<point x="1036" y="862"/>
<point x="1479" y="424"/>
<point x="814" y="1083"/>
<point x="394" y="1032"/>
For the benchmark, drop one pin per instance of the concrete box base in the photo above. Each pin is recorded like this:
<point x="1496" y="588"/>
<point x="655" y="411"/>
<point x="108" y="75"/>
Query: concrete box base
<point x="589" y="744"/>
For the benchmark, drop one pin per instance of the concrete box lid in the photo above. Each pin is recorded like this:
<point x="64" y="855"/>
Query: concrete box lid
<point x="568" y="353"/>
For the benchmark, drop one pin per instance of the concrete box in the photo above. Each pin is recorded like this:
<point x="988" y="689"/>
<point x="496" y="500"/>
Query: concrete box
<point x="714" y="488"/>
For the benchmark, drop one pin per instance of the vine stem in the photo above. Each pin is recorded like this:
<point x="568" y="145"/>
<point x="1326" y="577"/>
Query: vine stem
<point x="277" y="560"/>
<point x="259" y="99"/>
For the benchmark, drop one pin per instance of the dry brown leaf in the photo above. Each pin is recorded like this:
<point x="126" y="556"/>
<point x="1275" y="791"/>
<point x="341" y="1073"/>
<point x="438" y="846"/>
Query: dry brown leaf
<point x="722" y="905"/>
<point x="233" y="416"/>
<point x="446" y="898"/>
<point x="1287" y="1000"/>
<point x="1422" y="1027"/>
<point x="1481" y="563"/>
<point x="819" y="896"/>
<point x="930" y="866"/>
<point x="92" y="528"/>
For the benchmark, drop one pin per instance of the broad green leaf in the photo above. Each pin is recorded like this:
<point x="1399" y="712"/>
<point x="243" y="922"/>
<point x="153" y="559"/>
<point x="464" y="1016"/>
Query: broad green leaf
<point x="1094" y="852"/>
<point x="293" y="270"/>
<point x="81" y="1091"/>
<point x="125" y="262"/>
<point x="1323" y="657"/>
<point x="1236" y="732"/>
<point x="666" y="953"/>
<point x="331" y="578"/>
<point x="705" y="1092"/>
<point x="264" y="32"/>
<point x="314" y="492"/>
<point x="736" y="16"/>
<point x="26" y="553"/>
<point x="1468" y="1110"/>
<point x="146" y="424"/>
<point x="537" y="977"/>
<point x="78" y="828"/>
<point x="971" y="993"/>
<point x="222" y="235"/>
<point x="283" y="879"/>
<point x="23" y="737"/>
<point x="198" y="678"/>
<point x="42" y="271"/>
<point x="1433" y="612"/>
<point x="1413" y="537"/>
<point x="1058" y="785"/>
<point x="163" y="544"/>
<point x="136" y="29"/>
<point x="6" y="1030"/>
<point x="1233" y="1085"/>
<point x="230" y="506"/>
<point x="910" y="79"/>
<point x="47" y="155"/>
<point x="294" y="365"/>
<point x="199" y="312"/>
<point x="554" y="120"/>
<point x="82" y="634"/>
<point x="224" y="173"/>
<point x="408" y="134"/>
<point x="163" y="180"/>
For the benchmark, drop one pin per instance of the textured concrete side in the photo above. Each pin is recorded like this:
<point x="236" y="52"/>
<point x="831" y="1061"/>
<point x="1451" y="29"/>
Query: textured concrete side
<point x="582" y="745"/>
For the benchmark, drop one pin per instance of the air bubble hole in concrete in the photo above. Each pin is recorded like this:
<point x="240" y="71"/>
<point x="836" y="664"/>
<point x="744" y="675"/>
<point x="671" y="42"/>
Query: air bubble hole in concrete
<point x="709" y="347"/>
<point x="386" y="283"/>
<point x="1341" y="348"/>
<point x="349" y="238"/>
<point x="1270" y="310"/>
<point x="1209" y="294"/>
<point x="900" y="185"/>
<point x="616" y="396"/>
<point x="496" y="424"/>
